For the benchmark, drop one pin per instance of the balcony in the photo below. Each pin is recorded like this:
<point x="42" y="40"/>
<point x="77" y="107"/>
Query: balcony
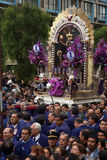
<point x="8" y="2"/>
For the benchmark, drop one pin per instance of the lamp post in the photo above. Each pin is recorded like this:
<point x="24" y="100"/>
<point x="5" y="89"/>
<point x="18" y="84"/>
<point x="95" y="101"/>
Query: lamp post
<point x="48" y="87"/>
<point x="1" y="107"/>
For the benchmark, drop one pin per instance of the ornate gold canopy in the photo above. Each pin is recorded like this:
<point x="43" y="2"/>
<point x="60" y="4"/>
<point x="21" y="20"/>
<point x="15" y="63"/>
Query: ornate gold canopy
<point x="70" y="17"/>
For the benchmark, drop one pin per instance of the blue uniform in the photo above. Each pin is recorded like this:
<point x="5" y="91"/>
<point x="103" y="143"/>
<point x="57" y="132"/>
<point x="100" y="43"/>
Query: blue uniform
<point x="17" y="130"/>
<point x="70" y="122"/>
<point x="43" y="140"/>
<point x="95" y="127"/>
<point x="26" y="145"/>
<point x="76" y="131"/>
<point x="18" y="149"/>
<point x="44" y="129"/>
<point x="63" y="128"/>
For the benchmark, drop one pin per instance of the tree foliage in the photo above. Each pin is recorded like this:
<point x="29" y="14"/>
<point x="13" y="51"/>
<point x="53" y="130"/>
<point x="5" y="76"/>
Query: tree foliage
<point x="22" y="27"/>
<point x="99" y="34"/>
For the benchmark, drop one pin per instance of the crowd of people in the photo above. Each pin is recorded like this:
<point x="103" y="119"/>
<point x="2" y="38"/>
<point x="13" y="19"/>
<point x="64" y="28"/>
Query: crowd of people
<point x="34" y="130"/>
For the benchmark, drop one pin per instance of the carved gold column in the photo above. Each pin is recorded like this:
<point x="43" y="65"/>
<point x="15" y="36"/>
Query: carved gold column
<point x="53" y="58"/>
<point x="85" y="65"/>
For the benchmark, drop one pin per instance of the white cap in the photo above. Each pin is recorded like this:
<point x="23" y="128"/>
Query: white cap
<point x="71" y="77"/>
<point x="48" y="86"/>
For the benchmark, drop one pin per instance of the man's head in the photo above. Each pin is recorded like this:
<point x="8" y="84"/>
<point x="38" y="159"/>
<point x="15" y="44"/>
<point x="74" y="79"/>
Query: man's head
<point x="59" y="119"/>
<point x="57" y="107"/>
<point x="78" y="122"/>
<point x="93" y="105"/>
<point x="84" y="135"/>
<point x="51" y="117"/>
<point x="89" y="112"/>
<point x="8" y="134"/>
<point x="92" y="143"/>
<point x="63" y="140"/>
<point x="93" y="119"/>
<point x="99" y="112"/>
<point x="101" y="104"/>
<point x="65" y="107"/>
<point x="51" y="107"/>
<point x="7" y="147"/>
<point x="103" y="124"/>
<point x="74" y="111"/>
<point x="15" y="117"/>
<point x="35" y="129"/>
<point x="52" y="138"/>
<point x="25" y="134"/>
<point x="102" y="135"/>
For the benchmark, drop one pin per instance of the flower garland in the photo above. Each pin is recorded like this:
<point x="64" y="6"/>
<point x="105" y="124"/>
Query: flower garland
<point x="57" y="86"/>
<point x="74" y="56"/>
<point x="100" y="55"/>
<point x="37" y="55"/>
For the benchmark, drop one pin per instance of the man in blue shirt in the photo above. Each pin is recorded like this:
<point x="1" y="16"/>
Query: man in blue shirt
<point x="61" y="126"/>
<point x="26" y="141"/>
<point x="78" y="122"/>
<point x="16" y="125"/>
<point x="92" y="147"/>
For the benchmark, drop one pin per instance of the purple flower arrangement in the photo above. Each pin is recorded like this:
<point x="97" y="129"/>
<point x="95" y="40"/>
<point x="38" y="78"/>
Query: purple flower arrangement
<point x="77" y="55"/>
<point x="100" y="55"/>
<point x="57" y="86"/>
<point x="37" y="55"/>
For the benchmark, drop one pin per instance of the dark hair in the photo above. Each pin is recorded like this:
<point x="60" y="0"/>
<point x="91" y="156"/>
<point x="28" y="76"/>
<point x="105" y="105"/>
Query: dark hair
<point x="28" y="129"/>
<point x="78" y="120"/>
<point x="94" y="117"/>
<point x="104" y="132"/>
<point x="75" y="105"/>
<point x="72" y="156"/>
<point x="75" y="140"/>
<point x="105" y="103"/>
<point x="7" y="147"/>
<point x="18" y="114"/>
<point x="59" y="115"/>
<point x="103" y="154"/>
<point x="41" y="109"/>
<point x="86" y="104"/>
<point x="56" y="156"/>
<point x="26" y="116"/>
<point x="65" y="105"/>
<point x="13" y="157"/>
<point x="94" y="137"/>
<point x="85" y="133"/>
<point x="57" y="103"/>
<point x="94" y="103"/>
<point x="101" y="142"/>
<point x="64" y="114"/>
<point x="101" y="110"/>
<point x="75" y="110"/>
<point x="40" y="119"/>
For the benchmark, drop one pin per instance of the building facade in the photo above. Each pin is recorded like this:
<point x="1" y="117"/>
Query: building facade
<point x="96" y="10"/>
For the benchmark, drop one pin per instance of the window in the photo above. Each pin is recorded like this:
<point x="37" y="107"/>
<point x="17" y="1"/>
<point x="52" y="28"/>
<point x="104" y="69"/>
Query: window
<point x="102" y="0"/>
<point x="52" y="5"/>
<point x="66" y="3"/>
<point x="31" y="2"/>
<point x="42" y="3"/>
<point x="88" y="9"/>
<point x="102" y="12"/>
